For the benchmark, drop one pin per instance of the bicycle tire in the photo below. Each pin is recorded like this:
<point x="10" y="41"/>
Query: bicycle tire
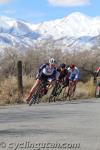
<point x="52" y="99"/>
<point x="31" y="101"/>
<point x="36" y="96"/>
<point x="55" y="92"/>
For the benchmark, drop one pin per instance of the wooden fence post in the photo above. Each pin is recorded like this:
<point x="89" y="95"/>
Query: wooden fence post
<point x="20" y="81"/>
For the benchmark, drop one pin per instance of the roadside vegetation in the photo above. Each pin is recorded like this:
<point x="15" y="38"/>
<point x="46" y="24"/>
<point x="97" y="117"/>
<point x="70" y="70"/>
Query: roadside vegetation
<point x="9" y="91"/>
<point x="85" y="60"/>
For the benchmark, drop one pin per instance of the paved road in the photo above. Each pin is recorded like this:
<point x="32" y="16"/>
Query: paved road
<point x="63" y="125"/>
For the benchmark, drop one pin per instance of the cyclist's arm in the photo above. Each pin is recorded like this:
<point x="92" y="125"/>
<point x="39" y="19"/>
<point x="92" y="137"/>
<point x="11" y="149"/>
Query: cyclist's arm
<point x="55" y="75"/>
<point x="41" y="68"/>
<point x="39" y="71"/>
<point x="77" y="76"/>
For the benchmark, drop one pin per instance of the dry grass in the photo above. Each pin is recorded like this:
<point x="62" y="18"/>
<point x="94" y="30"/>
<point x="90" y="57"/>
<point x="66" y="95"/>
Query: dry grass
<point x="86" y="90"/>
<point x="9" y="91"/>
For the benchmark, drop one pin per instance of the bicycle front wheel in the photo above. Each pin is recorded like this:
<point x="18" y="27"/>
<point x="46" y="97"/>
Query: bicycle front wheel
<point x="32" y="101"/>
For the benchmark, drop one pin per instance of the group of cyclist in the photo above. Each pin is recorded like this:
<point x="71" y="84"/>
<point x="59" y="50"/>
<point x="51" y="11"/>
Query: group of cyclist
<point x="51" y="72"/>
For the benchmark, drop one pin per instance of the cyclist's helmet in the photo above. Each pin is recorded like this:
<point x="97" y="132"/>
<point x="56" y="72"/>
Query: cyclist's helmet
<point x="52" y="61"/>
<point x="62" y="65"/>
<point x="72" y="66"/>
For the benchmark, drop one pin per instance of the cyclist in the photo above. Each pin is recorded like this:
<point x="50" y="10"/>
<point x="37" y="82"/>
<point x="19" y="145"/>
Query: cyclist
<point x="64" y="76"/>
<point x="74" y="74"/>
<point x="96" y="74"/>
<point x="47" y="72"/>
<point x="97" y="79"/>
<point x="97" y="71"/>
<point x="61" y="82"/>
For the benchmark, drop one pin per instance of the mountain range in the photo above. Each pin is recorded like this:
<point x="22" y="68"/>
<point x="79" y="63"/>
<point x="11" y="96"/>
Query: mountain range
<point x="73" y="32"/>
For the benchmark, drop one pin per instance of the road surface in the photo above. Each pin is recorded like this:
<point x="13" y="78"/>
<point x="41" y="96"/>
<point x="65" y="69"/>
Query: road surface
<point x="54" y="126"/>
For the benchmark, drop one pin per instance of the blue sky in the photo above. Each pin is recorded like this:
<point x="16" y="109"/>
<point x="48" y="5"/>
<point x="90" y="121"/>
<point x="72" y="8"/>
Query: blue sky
<point x="36" y="11"/>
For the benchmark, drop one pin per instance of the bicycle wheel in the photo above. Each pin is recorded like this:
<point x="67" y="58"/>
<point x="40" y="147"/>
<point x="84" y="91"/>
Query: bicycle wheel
<point x="40" y="92"/>
<point x="32" y="101"/>
<point x="52" y="99"/>
<point x="55" y="92"/>
<point x="35" y="98"/>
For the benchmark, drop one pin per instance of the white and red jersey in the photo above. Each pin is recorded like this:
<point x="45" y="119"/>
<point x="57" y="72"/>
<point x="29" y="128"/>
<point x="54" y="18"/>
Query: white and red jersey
<point x="98" y="69"/>
<point x="97" y="72"/>
<point x="74" y="74"/>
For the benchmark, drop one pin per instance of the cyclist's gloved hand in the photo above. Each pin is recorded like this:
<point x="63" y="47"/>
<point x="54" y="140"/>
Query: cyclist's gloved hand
<point x="50" y="80"/>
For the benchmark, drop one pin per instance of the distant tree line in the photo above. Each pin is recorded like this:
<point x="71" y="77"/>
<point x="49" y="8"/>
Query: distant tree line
<point x="86" y="60"/>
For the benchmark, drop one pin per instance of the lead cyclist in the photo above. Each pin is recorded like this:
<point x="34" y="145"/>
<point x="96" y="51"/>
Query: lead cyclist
<point x="47" y="71"/>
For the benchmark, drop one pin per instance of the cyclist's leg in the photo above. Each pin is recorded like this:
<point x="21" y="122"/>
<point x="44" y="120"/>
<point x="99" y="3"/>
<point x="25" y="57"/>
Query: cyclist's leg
<point x="70" y="84"/>
<point x="37" y="82"/>
<point x="74" y="88"/>
<point x="71" y="89"/>
<point x="74" y="85"/>
<point x="65" y="86"/>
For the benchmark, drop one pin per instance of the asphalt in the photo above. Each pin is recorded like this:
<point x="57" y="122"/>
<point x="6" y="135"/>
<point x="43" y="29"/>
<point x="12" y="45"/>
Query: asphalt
<point x="54" y="126"/>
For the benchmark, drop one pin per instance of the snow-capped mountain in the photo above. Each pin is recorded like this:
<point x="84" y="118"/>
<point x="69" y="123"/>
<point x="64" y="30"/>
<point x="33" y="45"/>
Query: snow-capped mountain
<point x="74" y="25"/>
<point x="16" y="33"/>
<point x="71" y="32"/>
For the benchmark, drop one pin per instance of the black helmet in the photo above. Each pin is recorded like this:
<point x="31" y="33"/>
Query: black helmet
<point x="62" y="65"/>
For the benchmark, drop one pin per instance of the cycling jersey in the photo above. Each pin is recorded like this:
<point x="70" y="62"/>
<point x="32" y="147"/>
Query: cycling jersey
<point x="74" y="74"/>
<point x="45" y="72"/>
<point x="63" y="77"/>
<point x="98" y="69"/>
<point x="97" y="73"/>
<point x="63" y="74"/>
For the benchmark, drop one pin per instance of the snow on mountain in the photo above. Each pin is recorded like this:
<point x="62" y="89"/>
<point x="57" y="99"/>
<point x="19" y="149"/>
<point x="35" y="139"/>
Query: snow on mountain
<point x="74" y="25"/>
<point x="74" y="30"/>
<point x="14" y="27"/>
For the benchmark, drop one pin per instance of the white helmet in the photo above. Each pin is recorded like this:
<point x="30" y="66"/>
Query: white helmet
<point x="52" y="61"/>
